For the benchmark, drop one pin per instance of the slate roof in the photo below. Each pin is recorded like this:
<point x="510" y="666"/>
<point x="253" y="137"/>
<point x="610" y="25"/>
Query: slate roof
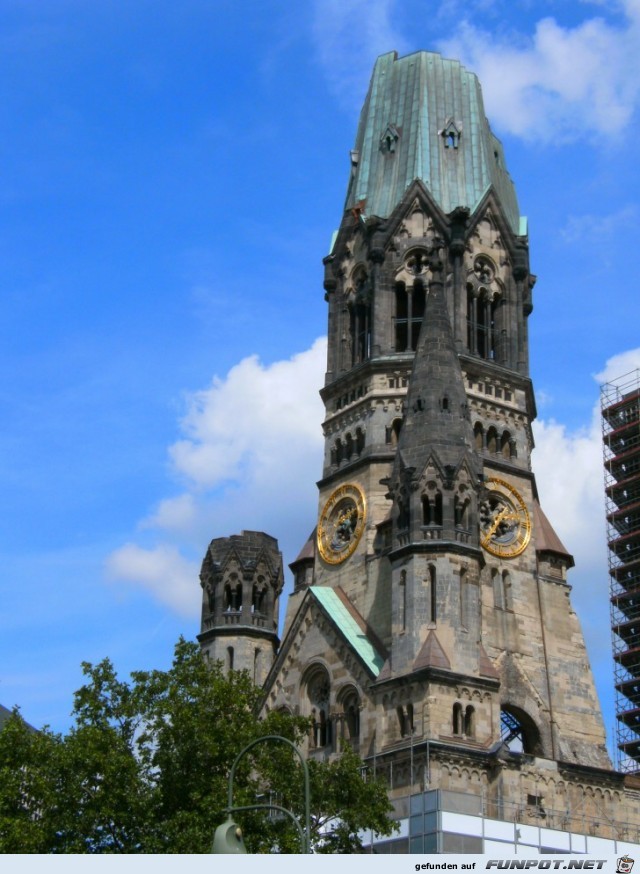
<point x="351" y="625"/>
<point x="546" y="538"/>
<point x="412" y="100"/>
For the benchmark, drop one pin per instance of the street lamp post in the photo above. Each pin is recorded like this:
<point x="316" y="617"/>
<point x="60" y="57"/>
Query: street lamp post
<point x="228" y="836"/>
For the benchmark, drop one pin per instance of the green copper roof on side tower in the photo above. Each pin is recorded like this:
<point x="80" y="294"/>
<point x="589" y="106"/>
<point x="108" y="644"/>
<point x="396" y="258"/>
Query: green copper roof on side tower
<point x="423" y="118"/>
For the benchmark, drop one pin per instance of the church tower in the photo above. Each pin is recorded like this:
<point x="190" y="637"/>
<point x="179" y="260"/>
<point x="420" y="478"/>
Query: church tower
<point x="431" y="618"/>
<point x="241" y="581"/>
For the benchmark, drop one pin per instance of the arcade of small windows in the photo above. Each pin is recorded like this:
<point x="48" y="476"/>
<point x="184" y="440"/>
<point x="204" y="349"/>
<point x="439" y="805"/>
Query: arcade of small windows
<point x="345" y="450"/>
<point x="503" y="444"/>
<point x="410" y="305"/>
<point x="464" y="721"/>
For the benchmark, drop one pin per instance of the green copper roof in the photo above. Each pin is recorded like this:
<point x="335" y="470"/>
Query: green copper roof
<point x="343" y="617"/>
<point x="423" y="118"/>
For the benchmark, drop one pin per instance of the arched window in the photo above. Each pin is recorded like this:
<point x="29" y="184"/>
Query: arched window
<point x="403" y="599"/>
<point x="492" y="439"/>
<point x="360" y="320"/>
<point x="507" y="591"/>
<point x="498" y="592"/>
<point x="469" y="722"/>
<point x="417" y="312"/>
<point x="258" y="595"/>
<point x="393" y="432"/>
<point x="229" y="658"/>
<point x="318" y="689"/>
<point x="464" y="599"/>
<point x="460" y="505"/>
<point x="505" y="444"/>
<point x="478" y="434"/>
<point x="233" y="596"/>
<point x="348" y="446"/>
<point x="256" y="665"/>
<point x="457" y="718"/>
<point x="481" y="330"/>
<point x="518" y="731"/>
<point x="402" y="318"/>
<point x="350" y="703"/>
<point x="433" y="595"/>
<point x="359" y="440"/>
<point x="432" y="508"/>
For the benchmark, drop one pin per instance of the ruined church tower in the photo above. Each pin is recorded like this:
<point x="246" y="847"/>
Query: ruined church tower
<point x="431" y="627"/>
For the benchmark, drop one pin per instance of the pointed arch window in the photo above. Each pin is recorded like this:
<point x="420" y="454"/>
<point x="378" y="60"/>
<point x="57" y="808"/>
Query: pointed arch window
<point x="433" y="596"/>
<point x="432" y="508"/>
<point x="410" y="304"/>
<point x="481" y="324"/>
<point x="360" y="320"/>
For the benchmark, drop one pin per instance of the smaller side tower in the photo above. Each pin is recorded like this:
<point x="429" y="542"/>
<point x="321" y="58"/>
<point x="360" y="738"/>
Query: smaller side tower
<point x="241" y="581"/>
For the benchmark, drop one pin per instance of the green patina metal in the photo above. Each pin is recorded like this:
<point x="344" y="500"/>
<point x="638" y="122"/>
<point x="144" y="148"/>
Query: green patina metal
<point x="355" y="636"/>
<point x="423" y="118"/>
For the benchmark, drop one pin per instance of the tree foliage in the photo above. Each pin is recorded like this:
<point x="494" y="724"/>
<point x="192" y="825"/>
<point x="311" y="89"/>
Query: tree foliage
<point x="145" y="769"/>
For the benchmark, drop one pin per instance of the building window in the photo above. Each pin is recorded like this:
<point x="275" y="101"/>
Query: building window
<point x="409" y="314"/>
<point x="433" y="595"/>
<point x="432" y="508"/>
<point x="481" y="325"/>
<point x="457" y="719"/>
<point x="229" y="658"/>
<point x="318" y="688"/>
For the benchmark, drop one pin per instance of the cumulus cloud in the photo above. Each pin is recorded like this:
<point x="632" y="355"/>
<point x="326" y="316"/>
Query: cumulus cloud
<point x="162" y="570"/>
<point x="249" y="457"/>
<point x="570" y="476"/>
<point x="597" y="229"/>
<point x="561" y="82"/>
<point x="253" y="424"/>
<point x="349" y="35"/>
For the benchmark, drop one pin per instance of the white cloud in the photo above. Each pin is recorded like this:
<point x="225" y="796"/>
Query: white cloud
<point x="170" y="577"/>
<point x="349" y="36"/>
<point x="591" y="228"/>
<point x="255" y="424"/>
<point x="619" y="366"/>
<point x="251" y="453"/>
<point x="561" y="83"/>
<point x="570" y="476"/>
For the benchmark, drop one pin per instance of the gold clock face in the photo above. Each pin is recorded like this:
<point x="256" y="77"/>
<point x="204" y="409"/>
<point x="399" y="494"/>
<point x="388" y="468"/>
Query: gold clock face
<point x="341" y="523"/>
<point x="505" y="525"/>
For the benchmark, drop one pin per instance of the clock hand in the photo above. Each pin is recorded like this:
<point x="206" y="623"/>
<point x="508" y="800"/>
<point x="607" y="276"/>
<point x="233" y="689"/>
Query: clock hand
<point x="496" y="522"/>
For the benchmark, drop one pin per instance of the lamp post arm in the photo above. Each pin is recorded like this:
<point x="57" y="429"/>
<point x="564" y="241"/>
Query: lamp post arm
<point x="305" y="770"/>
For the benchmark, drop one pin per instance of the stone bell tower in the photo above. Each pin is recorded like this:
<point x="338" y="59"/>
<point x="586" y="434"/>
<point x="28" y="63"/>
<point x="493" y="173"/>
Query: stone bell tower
<point x="431" y="615"/>
<point x="241" y="580"/>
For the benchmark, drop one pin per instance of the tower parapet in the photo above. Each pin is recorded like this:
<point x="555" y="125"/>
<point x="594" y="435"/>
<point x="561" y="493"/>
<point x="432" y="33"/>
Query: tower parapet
<point x="241" y="579"/>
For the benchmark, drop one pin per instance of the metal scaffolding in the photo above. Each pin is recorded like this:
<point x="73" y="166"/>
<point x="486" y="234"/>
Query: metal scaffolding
<point x="620" y="402"/>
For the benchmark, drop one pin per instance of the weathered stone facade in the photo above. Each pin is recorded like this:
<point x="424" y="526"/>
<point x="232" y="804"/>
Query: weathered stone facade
<point x="447" y="652"/>
<point x="241" y="580"/>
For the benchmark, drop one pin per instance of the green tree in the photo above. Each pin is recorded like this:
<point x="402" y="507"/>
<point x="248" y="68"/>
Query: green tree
<point x="145" y="769"/>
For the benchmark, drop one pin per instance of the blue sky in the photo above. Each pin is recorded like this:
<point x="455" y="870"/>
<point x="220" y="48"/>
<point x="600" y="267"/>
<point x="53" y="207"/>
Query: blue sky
<point x="170" y="176"/>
